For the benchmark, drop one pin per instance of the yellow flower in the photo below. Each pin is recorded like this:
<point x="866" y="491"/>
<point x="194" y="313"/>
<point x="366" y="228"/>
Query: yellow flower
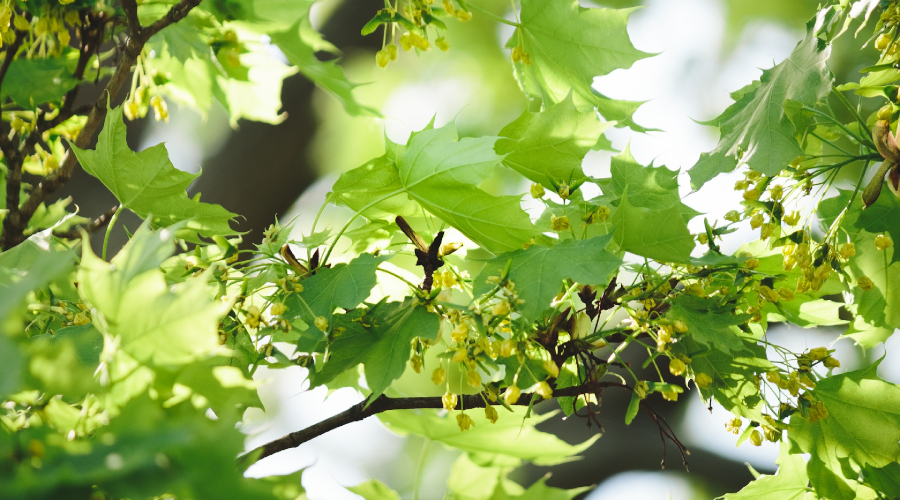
<point x="776" y="192"/>
<point x="559" y="224"/>
<point x="757" y="220"/>
<point x="551" y="368"/>
<point x="831" y="362"/>
<point x="751" y="194"/>
<point x="786" y="293"/>
<point x="449" y="401"/>
<point x="791" y="219"/>
<point x="702" y="380"/>
<point x="865" y="283"/>
<point x="544" y="390"/>
<point x="847" y="250"/>
<point x="676" y="367"/>
<point x="733" y="216"/>
<point x="768" y="294"/>
<point x="756" y="438"/>
<point x="734" y="425"/>
<point x="321" y="323"/>
<point x="603" y="213"/>
<point x="464" y="422"/>
<point x="883" y="242"/>
<point x="537" y="191"/>
<point x="773" y="377"/>
<point x="442" y="43"/>
<point x="277" y="309"/>
<point x="438" y="375"/>
<point x="490" y="413"/>
<point x="818" y="353"/>
<point x="511" y="395"/>
<point x="670" y="395"/>
<point x="382" y="58"/>
<point x="473" y="378"/>
<point x="751" y="263"/>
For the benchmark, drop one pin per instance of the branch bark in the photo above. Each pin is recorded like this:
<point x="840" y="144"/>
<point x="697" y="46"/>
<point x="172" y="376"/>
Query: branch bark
<point x="360" y="411"/>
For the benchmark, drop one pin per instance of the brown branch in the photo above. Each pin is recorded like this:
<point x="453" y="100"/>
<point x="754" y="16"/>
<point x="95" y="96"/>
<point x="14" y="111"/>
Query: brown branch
<point x="13" y="224"/>
<point x="131" y="14"/>
<point x="178" y="12"/>
<point x="360" y="411"/>
<point x="90" y="227"/>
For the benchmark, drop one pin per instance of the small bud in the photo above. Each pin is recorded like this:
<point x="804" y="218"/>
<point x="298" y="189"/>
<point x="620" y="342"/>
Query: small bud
<point x="277" y="309"/>
<point x="382" y="58"/>
<point x="757" y="220"/>
<point x="751" y="263"/>
<point x="786" y="293"/>
<point x="831" y="362"/>
<point x="551" y="368"/>
<point x="756" y="438"/>
<point x="847" y="250"/>
<point x="602" y="214"/>
<point x="733" y="216"/>
<point x="641" y="389"/>
<point x="818" y="353"/>
<point x="670" y="395"/>
<point x="883" y="242"/>
<point x="676" y="367"/>
<point x="751" y="194"/>
<point x="442" y="44"/>
<point x="406" y="41"/>
<point x="741" y="185"/>
<point x="463" y="16"/>
<point x="537" y="191"/>
<point x="776" y="192"/>
<point x="321" y="323"/>
<point x="791" y="219"/>
<point x="392" y="51"/>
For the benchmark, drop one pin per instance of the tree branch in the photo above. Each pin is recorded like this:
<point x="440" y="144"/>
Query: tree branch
<point x="131" y="14"/>
<point x="360" y="411"/>
<point x="15" y="223"/>
<point x="178" y="12"/>
<point x="90" y="227"/>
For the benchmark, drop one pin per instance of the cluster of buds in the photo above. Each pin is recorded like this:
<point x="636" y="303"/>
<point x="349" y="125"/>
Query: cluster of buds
<point x="144" y="94"/>
<point x="49" y="32"/>
<point x="417" y="15"/>
<point x="519" y="55"/>
<point x="79" y="318"/>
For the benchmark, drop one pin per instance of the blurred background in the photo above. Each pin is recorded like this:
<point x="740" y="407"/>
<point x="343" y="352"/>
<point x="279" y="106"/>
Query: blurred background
<point x="706" y="49"/>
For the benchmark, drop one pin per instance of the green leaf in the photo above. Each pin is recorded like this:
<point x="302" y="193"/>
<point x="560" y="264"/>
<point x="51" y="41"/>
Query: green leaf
<point x="863" y="425"/>
<point x="135" y="305"/>
<point x="648" y="187"/>
<point x="374" y="190"/>
<point x="344" y="285"/>
<point x="657" y="234"/>
<point x="441" y="173"/>
<point x="32" y="82"/>
<point x="791" y="482"/>
<point x="755" y="129"/>
<point x="878" y="305"/>
<point x="883" y="217"/>
<point x="538" y="271"/>
<point x="380" y="339"/>
<point x="550" y="30"/>
<point x="298" y="45"/>
<point x="395" y="326"/>
<point x="148" y="183"/>
<point x="709" y="323"/>
<point x="633" y="407"/>
<point x="510" y="436"/>
<point x="548" y="147"/>
<point x="30" y="265"/>
<point x="733" y="376"/>
<point x="374" y="489"/>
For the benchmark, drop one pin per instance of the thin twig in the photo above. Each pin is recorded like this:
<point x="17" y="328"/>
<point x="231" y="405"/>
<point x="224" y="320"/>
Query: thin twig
<point x="88" y="228"/>
<point x="360" y="411"/>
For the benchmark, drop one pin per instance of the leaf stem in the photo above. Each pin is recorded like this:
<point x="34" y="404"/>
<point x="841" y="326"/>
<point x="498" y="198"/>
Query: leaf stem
<point x="112" y="222"/>
<point x="491" y="15"/>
